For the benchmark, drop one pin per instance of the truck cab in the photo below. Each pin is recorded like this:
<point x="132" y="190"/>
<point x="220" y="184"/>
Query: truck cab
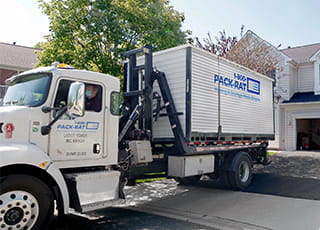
<point x="40" y="136"/>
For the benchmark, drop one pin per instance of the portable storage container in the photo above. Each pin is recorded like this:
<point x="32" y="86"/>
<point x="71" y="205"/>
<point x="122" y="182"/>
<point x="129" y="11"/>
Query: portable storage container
<point x="210" y="91"/>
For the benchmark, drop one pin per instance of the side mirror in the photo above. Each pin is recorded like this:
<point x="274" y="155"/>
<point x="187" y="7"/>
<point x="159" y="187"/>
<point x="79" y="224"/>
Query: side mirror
<point x="76" y="97"/>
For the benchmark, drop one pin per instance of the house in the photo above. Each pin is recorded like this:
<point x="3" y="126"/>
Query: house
<point x="297" y="95"/>
<point x="15" y="59"/>
<point x="299" y="111"/>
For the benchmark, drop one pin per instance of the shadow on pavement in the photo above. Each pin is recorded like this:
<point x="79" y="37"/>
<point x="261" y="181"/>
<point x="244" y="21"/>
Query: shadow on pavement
<point x="277" y="185"/>
<point x="123" y="219"/>
<point x="294" y="187"/>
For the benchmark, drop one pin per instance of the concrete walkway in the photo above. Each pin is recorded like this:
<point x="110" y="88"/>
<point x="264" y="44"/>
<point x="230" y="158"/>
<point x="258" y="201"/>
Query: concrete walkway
<point x="313" y="154"/>
<point x="236" y="210"/>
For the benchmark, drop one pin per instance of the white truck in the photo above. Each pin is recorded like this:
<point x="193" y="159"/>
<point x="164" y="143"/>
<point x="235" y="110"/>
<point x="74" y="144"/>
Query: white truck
<point x="185" y="112"/>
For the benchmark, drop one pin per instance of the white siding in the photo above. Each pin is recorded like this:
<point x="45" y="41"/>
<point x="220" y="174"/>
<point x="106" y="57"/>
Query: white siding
<point x="238" y="114"/>
<point x="283" y="82"/>
<point x="305" y="78"/>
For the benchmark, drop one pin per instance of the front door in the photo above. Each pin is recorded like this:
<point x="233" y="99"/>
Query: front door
<point x="80" y="138"/>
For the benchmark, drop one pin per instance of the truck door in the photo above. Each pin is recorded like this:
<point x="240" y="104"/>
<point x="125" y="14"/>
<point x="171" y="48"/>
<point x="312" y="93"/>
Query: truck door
<point x="78" y="138"/>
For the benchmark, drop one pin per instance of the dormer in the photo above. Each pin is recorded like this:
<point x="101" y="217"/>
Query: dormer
<point x="315" y="58"/>
<point x="305" y="72"/>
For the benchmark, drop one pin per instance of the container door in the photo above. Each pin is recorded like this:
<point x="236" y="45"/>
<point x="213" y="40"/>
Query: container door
<point x="80" y="138"/>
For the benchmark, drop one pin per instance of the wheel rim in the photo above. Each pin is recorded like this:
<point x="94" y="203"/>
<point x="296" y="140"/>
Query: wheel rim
<point x="18" y="210"/>
<point x="244" y="171"/>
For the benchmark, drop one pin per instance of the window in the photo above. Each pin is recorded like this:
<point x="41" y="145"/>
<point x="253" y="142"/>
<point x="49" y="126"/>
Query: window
<point x="93" y="97"/>
<point x="62" y="94"/>
<point x="115" y="103"/>
<point x="93" y="93"/>
<point x="29" y="90"/>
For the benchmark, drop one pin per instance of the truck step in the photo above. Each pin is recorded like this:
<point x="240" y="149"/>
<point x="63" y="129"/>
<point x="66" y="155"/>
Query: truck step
<point x="100" y="205"/>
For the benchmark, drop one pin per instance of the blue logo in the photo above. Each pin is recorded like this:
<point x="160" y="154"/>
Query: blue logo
<point x="79" y="126"/>
<point x="239" y="82"/>
<point x="92" y="125"/>
<point x="253" y="86"/>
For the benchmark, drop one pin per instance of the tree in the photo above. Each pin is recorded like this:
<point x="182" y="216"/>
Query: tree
<point x="249" y="51"/>
<point x="93" y="34"/>
<point x="256" y="54"/>
<point x="221" y="46"/>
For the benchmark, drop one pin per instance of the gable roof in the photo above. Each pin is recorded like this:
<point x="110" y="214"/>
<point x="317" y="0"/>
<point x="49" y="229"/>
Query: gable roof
<point x="16" y="56"/>
<point x="250" y="34"/>
<point x="302" y="54"/>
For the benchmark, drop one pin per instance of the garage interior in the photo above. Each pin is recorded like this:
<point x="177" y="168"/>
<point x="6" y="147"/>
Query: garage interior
<point x="308" y="134"/>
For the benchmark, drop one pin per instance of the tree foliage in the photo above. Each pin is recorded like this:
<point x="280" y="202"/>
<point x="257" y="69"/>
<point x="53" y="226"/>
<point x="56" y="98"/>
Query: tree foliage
<point x="220" y="46"/>
<point x="93" y="34"/>
<point x="249" y="51"/>
<point x="256" y="54"/>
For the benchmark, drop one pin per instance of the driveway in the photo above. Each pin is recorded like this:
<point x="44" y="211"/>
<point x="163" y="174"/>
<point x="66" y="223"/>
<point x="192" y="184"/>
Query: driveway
<point x="283" y="195"/>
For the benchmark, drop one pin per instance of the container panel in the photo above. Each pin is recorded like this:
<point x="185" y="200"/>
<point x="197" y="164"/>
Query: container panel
<point x="246" y="97"/>
<point x="173" y="63"/>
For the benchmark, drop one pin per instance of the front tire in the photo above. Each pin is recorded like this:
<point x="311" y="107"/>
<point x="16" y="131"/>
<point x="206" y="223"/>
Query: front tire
<point x="25" y="203"/>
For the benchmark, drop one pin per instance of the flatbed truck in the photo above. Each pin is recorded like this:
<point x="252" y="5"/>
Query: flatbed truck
<point x="184" y="112"/>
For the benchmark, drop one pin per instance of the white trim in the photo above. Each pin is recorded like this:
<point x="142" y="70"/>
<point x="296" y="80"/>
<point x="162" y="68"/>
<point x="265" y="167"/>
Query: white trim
<point x="300" y="103"/>
<point x="316" y="67"/>
<point x="314" y="56"/>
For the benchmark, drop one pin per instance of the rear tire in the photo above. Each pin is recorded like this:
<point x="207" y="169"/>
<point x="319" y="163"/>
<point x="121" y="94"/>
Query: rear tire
<point x="224" y="179"/>
<point x="25" y="203"/>
<point x="241" y="175"/>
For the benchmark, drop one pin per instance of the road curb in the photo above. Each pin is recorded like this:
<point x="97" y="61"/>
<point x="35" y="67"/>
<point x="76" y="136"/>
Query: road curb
<point x="205" y="220"/>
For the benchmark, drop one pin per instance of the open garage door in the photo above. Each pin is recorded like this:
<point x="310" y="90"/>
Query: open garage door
<point x="308" y="134"/>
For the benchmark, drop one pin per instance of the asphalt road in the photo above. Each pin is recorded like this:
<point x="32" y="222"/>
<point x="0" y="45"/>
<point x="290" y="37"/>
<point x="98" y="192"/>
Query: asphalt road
<point x="124" y="219"/>
<point x="286" y="186"/>
<point x="278" y="185"/>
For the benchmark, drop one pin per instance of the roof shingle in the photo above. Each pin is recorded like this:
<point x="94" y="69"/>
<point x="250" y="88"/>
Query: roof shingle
<point x="17" y="56"/>
<point x="302" y="54"/>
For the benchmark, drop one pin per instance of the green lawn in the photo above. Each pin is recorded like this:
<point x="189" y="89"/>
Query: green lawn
<point x="271" y="152"/>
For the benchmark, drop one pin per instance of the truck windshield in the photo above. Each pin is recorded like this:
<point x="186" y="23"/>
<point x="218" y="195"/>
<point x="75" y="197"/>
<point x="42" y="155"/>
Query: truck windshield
<point x="30" y="90"/>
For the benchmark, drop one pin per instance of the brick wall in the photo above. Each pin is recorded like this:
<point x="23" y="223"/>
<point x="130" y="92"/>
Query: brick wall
<point x="5" y="73"/>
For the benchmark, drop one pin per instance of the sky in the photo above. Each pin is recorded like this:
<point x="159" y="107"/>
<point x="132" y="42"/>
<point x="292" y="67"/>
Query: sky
<point x="286" y="22"/>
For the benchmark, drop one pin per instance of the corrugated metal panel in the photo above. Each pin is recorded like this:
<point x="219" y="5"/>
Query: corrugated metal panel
<point x="306" y="78"/>
<point x="242" y="112"/>
<point x="173" y="64"/>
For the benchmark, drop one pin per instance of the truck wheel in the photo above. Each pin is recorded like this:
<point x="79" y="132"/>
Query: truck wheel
<point x="241" y="175"/>
<point x="188" y="180"/>
<point x="25" y="203"/>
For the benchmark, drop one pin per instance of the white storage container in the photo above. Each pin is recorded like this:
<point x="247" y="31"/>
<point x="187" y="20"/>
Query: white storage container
<point x="196" y="77"/>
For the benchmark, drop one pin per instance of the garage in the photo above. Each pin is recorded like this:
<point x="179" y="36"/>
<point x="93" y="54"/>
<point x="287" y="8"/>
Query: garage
<point x="308" y="134"/>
